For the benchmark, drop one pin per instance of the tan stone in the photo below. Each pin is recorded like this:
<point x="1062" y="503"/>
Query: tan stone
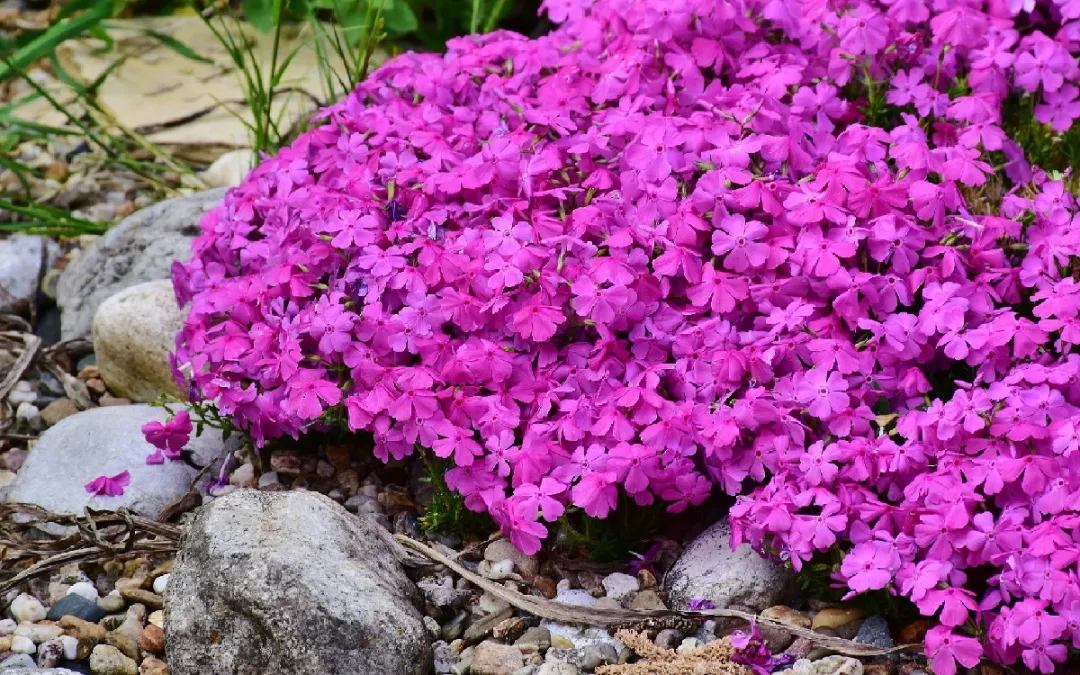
<point x="834" y="617"/>
<point x="134" y="331"/>
<point x="493" y="658"/>
<point x="81" y="629"/>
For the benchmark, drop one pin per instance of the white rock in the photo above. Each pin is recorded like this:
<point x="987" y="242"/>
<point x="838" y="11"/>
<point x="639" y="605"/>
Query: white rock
<point x="496" y="571"/>
<point x="108" y="441"/>
<point x="157" y="618"/>
<point x="21" y="644"/>
<point x="688" y="645"/>
<point x="134" y="331"/>
<point x="39" y="632"/>
<point x="7" y="626"/>
<point x="85" y="589"/>
<point x="619" y="586"/>
<point x="27" y="608"/>
<point x="22" y="393"/>
<point x="229" y="169"/>
<point x="267" y="479"/>
<point x="161" y="583"/>
<point x="830" y="665"/>
<point x="502" y="549"/>
<point x="71" y="647"/>
<point x="580" y="636"/>
<point x="29" y="415"/>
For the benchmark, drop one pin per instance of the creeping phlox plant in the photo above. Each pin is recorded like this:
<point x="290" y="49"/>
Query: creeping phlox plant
<point x="792" y="250"/>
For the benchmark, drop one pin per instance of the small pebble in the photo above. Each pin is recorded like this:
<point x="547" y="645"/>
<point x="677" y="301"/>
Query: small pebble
<point x="157" y="618"/>
<point x="57" y="410"/>
<point x="113" y="602"/>
<point x="161" y="583"/>
<point x="619" y="586"/>
<point x="108" y="660"/>
<point x="688" y="645"/>
<point x="597" y="655"/>
<point x="39" y="632"/>
<point x="29" y="416"/>
<point x="21" y="644"/>
<point x="148" y="598"/>
<point x="71" y="647"/>
<point x="7" y="626"/>
<point x="22" y="393"/>
<point x="152" y="639"/>
<point x="669" y="638"/>
<point x="85" y="589"/>
<point x="18" y="661"/>
<point x="27" y="609"/>
<point x="49" y="653"/>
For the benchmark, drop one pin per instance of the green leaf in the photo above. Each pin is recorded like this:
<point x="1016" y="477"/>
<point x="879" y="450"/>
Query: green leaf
<point x="46" y="43"/>
<point x="398" y="17"/>
<point x="260" y="13"/>
<point x="178" y="46"/>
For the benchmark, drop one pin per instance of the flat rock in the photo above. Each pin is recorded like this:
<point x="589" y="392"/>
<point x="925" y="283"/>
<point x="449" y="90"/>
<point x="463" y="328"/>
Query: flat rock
<point x="277" y="583"/>
<point x="108" y="441"/>
<point x="708" y="569"/>
<point x="23" y="259"/>
<point x="134" y="332"/>
<point x="142" y="247"/>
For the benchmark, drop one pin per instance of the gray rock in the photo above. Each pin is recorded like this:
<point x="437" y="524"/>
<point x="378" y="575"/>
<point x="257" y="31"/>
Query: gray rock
<point x="710" y="570"/>
<point x="19" y="662"/>
<point x="558" y="668"/>
<point x="108" y="441"/>
<point x="875" y="631"/>
<point x="598" y="655"/>
<point x="619" y="586"/>
<point x="142" y="247"/>
<point x="280" y="583"/>
<point x="19" y="667"/>
<point x="77" y="606"/>
<point x="23" y="259"/>
<point x="445" y="658"/>
<point x="134" y="332"/>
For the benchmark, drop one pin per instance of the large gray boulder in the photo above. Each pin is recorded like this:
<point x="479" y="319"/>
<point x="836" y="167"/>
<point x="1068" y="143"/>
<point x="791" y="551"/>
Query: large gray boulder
<point x="105" y="442"/>
<point x="142" y="247"/>
<point x="289" y="583"/>
<point x="23" y="260"/>
<point x="134" y="331"/>
<point x="709" y="570"/>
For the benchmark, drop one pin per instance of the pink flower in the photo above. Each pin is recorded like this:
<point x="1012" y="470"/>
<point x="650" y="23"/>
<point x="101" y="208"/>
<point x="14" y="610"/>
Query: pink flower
<point x="946" y="649"/>
<point x="169" y="438"/>
<point x="109" y="486"/>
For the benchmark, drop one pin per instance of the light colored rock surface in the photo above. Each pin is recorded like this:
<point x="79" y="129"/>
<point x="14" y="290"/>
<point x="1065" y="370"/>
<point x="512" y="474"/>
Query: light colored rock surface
<point x="20" y="266"/>
<point x="108" y="441"/>
<point x="230" y="169"/>
<point x="134" y="331"/>
<point x="579" y="637"/>
<point x="290" y="583"/>
<point x="830" y="665"/>
<point x="493" y="658"/>
<point x="710" y="570"/>
<point x="142" y="247"/>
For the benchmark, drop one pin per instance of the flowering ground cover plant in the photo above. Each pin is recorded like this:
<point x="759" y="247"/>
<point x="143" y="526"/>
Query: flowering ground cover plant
<point x="820" y="254"/>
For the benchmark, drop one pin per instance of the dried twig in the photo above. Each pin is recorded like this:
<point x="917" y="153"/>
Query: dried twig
<point x="31" y="533"/>
<point x="31" y="344"/>
<point x="596" y="616"/>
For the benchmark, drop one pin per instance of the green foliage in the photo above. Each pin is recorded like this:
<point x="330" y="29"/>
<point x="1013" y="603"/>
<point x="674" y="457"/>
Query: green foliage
<point x="627" y="529"/>
<point x="447" y="513"/>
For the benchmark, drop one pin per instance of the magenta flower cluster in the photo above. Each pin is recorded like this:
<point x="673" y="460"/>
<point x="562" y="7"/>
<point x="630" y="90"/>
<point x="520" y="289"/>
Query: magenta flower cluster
<point x="783" y="248"/>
